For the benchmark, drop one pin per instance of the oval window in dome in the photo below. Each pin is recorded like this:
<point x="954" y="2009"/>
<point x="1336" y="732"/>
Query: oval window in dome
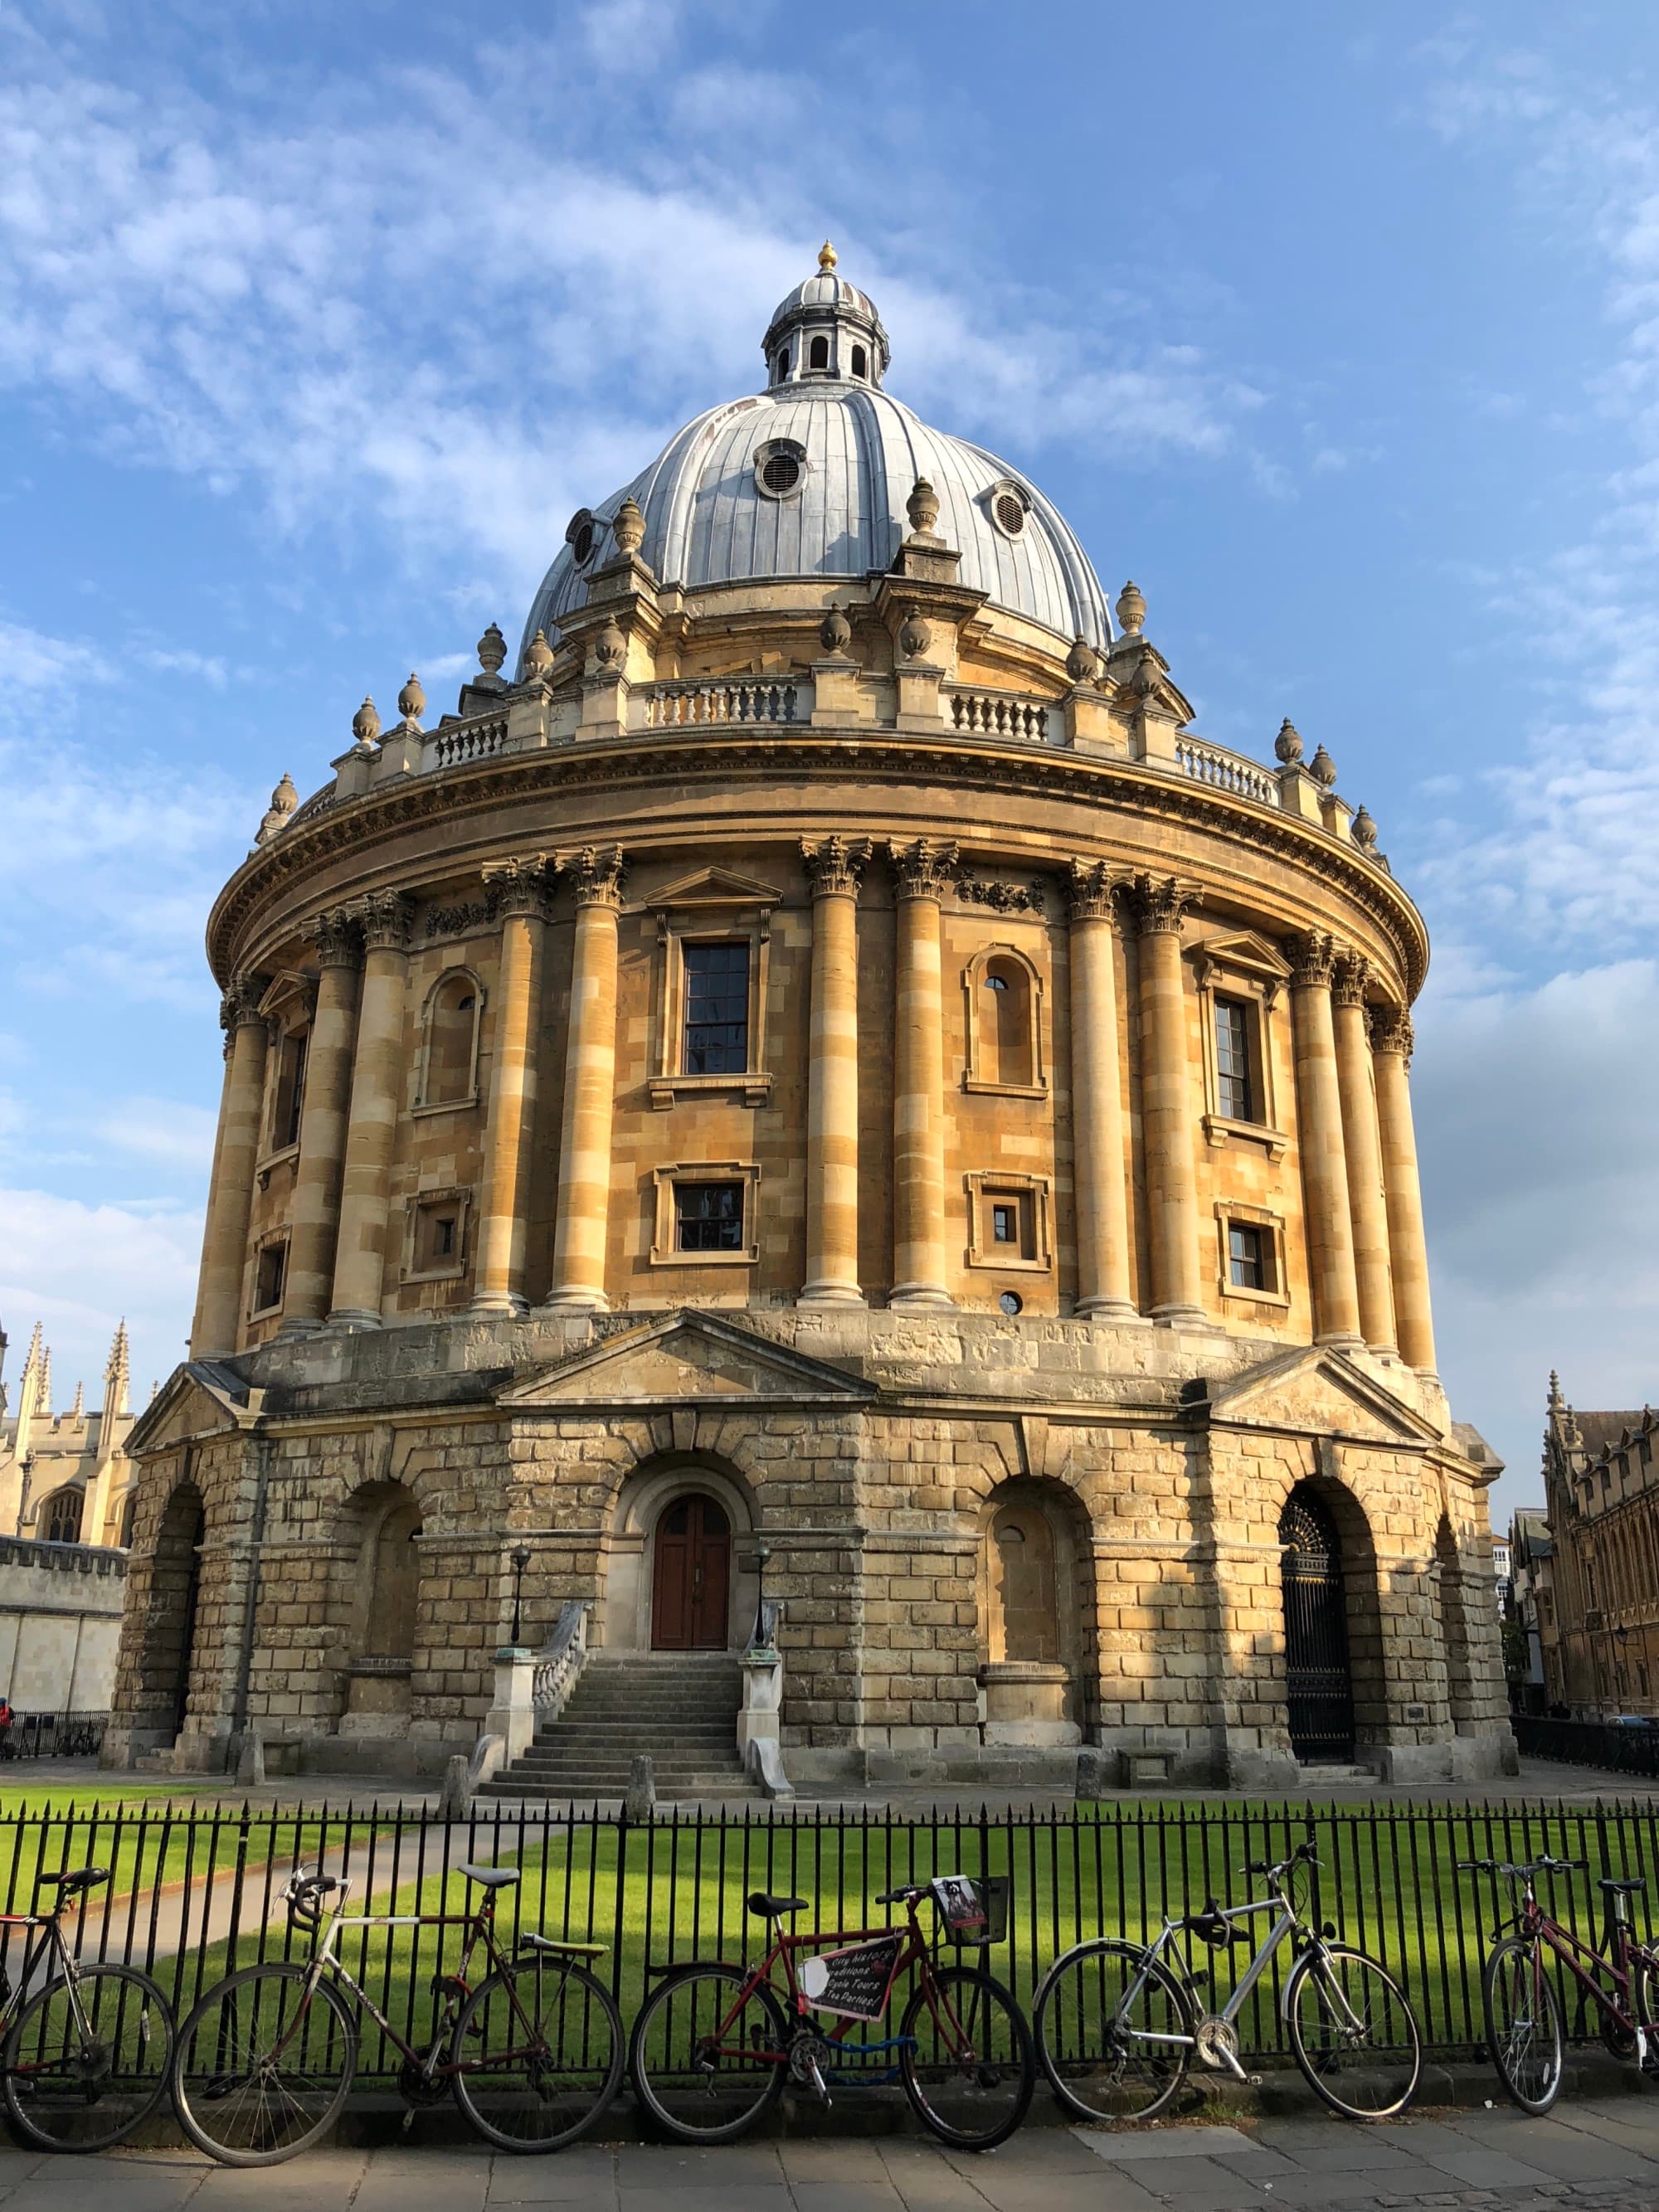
<point x="780" y="473"/>
<point x="581" y="546"/>
<point x="1010" y="511"/>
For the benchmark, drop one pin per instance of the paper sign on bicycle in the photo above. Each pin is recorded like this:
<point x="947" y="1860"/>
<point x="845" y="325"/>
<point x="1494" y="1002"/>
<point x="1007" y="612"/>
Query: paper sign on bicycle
<point x="958" y="1901"/>
<point x="853" y="1982"/>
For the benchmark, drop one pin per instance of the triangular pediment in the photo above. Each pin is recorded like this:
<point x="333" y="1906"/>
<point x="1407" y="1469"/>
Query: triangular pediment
<point x="1243" y="948"/>
<point x="1317" y="1391"/>
<point x="686" y="1358"/>
<point x="199" y="1399"/>
<point x="715" y="887"/>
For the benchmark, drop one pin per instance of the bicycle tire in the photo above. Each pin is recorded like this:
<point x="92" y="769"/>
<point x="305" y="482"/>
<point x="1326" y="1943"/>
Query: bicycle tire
<point x="671" y="2017"/>
<point x="992" y="2086"/>
<point x="1512" y="1982"/>
<point x="1329" y="2054"/>
<point x="1644" y="2008"/>
<point x="1087" y="2065"/>
<point x="110" y="2084"/>
<point x="492" y="2091"/>
<point x="225" y="2032"/>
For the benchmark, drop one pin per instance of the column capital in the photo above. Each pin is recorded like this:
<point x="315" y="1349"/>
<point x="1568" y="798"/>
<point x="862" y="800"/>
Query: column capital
<point x="384" y="917"/>
<point x="1391" y="1031"/>
<point x="1090" y="891"/>
<point x="925" y="869"/>
<point x="1159" y="903"/>
<point x="1352" y="974"/>
<point x="835" y="866"/>
<point x="1313" y="955"/>
<point x="241" y="1003"/>
<point x="519" y="887"/>
<point x="339" y="938"/>
<point x="595" y="874"/>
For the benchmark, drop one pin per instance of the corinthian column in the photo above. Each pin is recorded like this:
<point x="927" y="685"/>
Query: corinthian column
<point x="1328" y="1225"/>
<point x="316" y="1214"/>
<point x="1099" y="1156"/>
<point x="376" y="1082"/>
<point x="1391" y="1049"/>
<point x="1363" y="1145"/>
<point x="518" y="888"/>
<point x="1166" y="1099"/>
<point x="835" y="868"/>
<point x="230" y="1194"/>
<point x="921" y="873"/>
<point x="590" y="1082"/>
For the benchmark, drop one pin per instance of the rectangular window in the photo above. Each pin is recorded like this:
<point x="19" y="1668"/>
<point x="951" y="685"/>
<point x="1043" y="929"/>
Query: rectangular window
<point x="708" y="1217"/>
<point x="1246" y="1257"/>
<point x="716" y="1009"/>
<point x="290" y="1090"/>
<point x="1235" y="1084"/>
<point x="438" y="1235"/>
<point x="1004" y="1224"/>
<point x="270" y="1272"/>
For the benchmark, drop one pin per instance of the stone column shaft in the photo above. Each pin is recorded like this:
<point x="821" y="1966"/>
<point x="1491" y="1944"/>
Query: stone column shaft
<point x="1166" y="1102"/>
<point x="832" y="1080"/>
<point x="1099" y="1154"/>
<point x="590" y="1085"/>
<point x="1328" y="1224"/>
<point x="520" y="887"/>
<point x="376" y="1088"/>
<point x="230" y="1195"/>
<point x="1362" y="1143"/>
<point x="1391" y="1040"/>
<point x="316" y="1210"/>
<point x="920" y="871"/>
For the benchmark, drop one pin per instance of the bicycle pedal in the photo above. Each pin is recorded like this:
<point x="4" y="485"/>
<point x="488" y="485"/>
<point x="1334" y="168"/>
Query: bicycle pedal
<point x="1253" y="2080"/>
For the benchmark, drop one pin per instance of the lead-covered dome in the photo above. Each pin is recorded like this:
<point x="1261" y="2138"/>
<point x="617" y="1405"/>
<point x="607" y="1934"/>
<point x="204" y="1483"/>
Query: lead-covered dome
<point x="810" y="479"/>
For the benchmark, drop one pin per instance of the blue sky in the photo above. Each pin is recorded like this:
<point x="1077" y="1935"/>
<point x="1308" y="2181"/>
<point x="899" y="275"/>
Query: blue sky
<point x="1337" y="328"/>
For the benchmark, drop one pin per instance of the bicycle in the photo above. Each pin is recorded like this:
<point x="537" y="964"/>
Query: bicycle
<point x="1525" y="2032"/>
<point x="1118" y="2024"/>
<point x="715" y="2044"/>
<point x="532" y="2054"/>
<point x="87" y="2057"/>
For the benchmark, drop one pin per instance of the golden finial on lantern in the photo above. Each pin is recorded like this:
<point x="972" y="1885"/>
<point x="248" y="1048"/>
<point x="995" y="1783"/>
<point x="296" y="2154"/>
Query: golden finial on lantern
<point x="827" y="256"/>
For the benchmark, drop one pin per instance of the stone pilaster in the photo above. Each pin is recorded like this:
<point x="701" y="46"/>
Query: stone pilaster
<point x="217" y="1324"/>
<point x="1100" y="1154"/>
<point x="1363" y="1145"/>
<point x="316" y="1209"/>
<point x="1158" y="904"/>
<point x="518" y="888"/>
<point x="376" y="1085"/>
<point x="1391" y="1050"/>
<point x="921" y="874"/>
<point x="590" y="1082"/>
<point x="835" y="868"/>
<point x="1324" y="1155"/>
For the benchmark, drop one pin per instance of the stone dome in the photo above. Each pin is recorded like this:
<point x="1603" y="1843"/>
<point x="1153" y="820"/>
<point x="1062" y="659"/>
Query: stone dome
<point x="810" y="479"/>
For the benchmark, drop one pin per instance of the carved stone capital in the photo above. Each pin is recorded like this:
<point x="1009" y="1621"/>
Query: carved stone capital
<point x="925" y="869"/>
<point x="1352" y="973"/>
<point x="1160" y="903"/>
<point x="1090" y="891"/>
<point x="1313" y="959"/>
<point x="241" y="1003"/>
<point x="1391" y="1031"/>
<point x="518" y="887"/>
<point x="385" y="916"/>
<point x="835" y="866"/>
<point x="596" y="874"/>
<point x="339" y="937"/>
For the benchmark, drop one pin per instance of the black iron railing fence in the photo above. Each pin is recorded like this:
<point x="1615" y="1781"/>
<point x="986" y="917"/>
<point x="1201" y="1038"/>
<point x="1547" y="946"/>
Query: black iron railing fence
<point x="1589" y="1743"/>
<point x="195" y="1892"/>
<point x="53" y="1735"/>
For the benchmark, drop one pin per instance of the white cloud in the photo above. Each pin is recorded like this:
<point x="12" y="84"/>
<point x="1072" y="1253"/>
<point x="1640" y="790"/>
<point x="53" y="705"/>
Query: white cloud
<point x="31" y="660"/>
<point x="80" y="1268"/>
<point x="164" y="1129"/>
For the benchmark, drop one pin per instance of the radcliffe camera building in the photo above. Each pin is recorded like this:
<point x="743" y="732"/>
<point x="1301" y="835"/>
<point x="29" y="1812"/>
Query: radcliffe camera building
<point x="815" y="1069"/>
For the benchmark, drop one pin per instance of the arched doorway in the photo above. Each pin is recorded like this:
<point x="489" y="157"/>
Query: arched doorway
<point x="691" y="1583"/>
<point x="1319" y="1681"/>
<point x="174" y="1599"/>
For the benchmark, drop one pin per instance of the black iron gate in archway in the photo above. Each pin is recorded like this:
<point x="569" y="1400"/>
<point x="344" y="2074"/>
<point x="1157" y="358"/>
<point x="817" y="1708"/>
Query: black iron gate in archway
<point x="1319" y="1685"/>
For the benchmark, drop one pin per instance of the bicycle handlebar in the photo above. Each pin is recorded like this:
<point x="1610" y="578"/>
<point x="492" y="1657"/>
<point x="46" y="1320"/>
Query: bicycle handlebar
<point x="1545" y="1864"/>
<point x="1303" y="1854"/>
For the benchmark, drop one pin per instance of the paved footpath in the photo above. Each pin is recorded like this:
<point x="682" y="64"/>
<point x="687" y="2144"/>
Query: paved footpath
<point x="1600" y="2153"/>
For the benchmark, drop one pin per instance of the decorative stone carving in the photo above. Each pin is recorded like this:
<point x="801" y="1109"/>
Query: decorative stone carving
<point x="459" y="920"/>
<point x="923" y="870"/>
<point x="1000" y="897"/>
<point x="492" y="650"/>
<point x="519" y="887"/>
<point x="385" y="916"/>
<point x="628" y="527"/>
<point x="1391" y="1031"/>
<point x="1313" y="958"/>
<point x="284" y="801"/>
<point x="922" y="507"/>
<point x="1288" y="744"/>
<point x="915" y="636"/>
<point x="1160" y="903"/>
<point x="1363" y="830"/>
<point x="1322" y="769"/>
<point x="411" y="703"/>
<point x="537" y="659"/>
<point x="609" y="646"/>
<point x="834" y="631"/>
<point x="241" y="1003"/>
<point x="835" y="865"/>
<point x="1131" y="610"/>
<point x="1352" y="973"/>
<point x="1082" y="662"/>
<point x="366" y="725"/>
<point x="338" y="937"/>
<point x="1090" y="891"/>
<point x="596" y="874"/>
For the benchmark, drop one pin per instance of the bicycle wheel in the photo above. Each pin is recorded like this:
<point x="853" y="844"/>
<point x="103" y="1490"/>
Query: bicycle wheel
<point x="1354" y="2034"/>
<point x="1644" y="2008"/>
<point x="262" y="2070"/>
<point x="1098" y="2015"/>
<point x="538" y="2053"/>
<point x="88" y="2062"/>
<point x="1524" y="2030"/>
<point x="704" y="2065"/>
<point x="967" y="2063"/>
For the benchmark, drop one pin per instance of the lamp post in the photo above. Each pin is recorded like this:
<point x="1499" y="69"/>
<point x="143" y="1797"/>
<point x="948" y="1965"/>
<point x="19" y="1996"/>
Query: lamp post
<point x="763" y="1554"/>
<point x="520" y="1560"/>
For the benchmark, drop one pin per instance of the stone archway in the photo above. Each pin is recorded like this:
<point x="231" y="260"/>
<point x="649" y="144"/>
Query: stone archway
<point x="692" y="1575"/>
<point x="1335" y="1681"/>
<point x="1033" y="1673"/>
<point x="167" y="1658"/>
<point x="666" y="1522"/>
<point x="1454" y="1628"/>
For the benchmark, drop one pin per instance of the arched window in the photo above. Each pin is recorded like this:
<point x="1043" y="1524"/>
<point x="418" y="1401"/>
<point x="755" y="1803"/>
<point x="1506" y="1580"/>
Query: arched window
<point x="59" y="1519"/>
<point x="1005" y="1047"/>
<point x="783" y="365"/>
<point x="860" y="361"/>
<point x="452" y="1040"/>
<point x="819" y="356"/>
<point x="129" y="1508"/>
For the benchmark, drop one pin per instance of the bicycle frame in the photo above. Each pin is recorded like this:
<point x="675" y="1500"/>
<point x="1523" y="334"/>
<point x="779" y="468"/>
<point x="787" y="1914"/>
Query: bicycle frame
<point x="1534" y="1924"/>
<point x="67" y="1970"/>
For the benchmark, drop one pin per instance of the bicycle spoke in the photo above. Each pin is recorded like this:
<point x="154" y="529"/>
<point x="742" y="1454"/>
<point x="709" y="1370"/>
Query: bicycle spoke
<point x="966" y="2062"/>
<point x="262" y="2071"/>
<point x="88" y="2061"/>
<point x="1113" y="2034"/>
<point x="1355" y="2035"/>
<point x="704" y="2054"/>
<point x="540" y="2054"/>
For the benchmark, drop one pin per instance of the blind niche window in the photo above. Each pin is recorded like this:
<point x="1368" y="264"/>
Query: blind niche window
<point x="716" y="1026"/>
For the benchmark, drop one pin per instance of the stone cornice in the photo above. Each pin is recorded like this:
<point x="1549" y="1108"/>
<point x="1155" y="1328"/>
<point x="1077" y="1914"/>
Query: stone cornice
<point x="959" y="764"/>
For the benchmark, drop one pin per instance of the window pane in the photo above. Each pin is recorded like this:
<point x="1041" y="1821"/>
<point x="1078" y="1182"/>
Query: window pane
<point x="1232" y="1060"/>
<point x="716" y="1010"/>
<point x="1004" y="1230"/>
<point x="708" y="1216"/>
<point x="1246" y="1256"/>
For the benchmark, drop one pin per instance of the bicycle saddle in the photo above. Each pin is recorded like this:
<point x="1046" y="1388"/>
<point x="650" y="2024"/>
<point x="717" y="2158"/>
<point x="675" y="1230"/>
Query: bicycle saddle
<point x="83" y="1878"/>
<point x="1631" y="1886"/>
<point x="491" y="1877"/>
<point x="562" y="1949"/>
<point x="765" y="1906"/>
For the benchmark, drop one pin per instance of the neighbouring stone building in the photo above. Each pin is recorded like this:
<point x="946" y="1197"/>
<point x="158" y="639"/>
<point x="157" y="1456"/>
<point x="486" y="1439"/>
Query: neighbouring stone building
<point x="817" y="1067"/>
<point x="1595" y="1585"/>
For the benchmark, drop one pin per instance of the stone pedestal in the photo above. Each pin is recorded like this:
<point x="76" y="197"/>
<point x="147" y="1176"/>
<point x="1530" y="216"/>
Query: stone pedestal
<point x="1025" y="1703"/>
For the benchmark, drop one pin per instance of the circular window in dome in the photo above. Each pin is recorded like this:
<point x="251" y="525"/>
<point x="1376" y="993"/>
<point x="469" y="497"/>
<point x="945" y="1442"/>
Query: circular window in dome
<point x="581" y="535"/>
<point x="1012" y="1302"/>
<point x="780" y="468"/>
<point x="1008" y="509"/>
<point x="781" y="472"/>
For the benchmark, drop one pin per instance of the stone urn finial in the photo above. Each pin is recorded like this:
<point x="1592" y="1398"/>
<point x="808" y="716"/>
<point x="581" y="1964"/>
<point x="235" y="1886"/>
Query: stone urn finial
<point x="284" y="801"/>
<point x="537" y="659"/>
<point x="1288" y="744"/>
<point x="922" y="507"/>
<point x="492" y="650"/>
<point x="1082" y="662"/>
<point x="914" y="637"/>
<point x="1364" y="830"/>
<point x="1131" y="610"/>
<point x="609" y="647"/>
<point x="1322" y="769"/>
<point x="835" y="630"/>
<point x="366" y="725"/>
<point x="411" y="703"/>
<point x="628" y="527"/>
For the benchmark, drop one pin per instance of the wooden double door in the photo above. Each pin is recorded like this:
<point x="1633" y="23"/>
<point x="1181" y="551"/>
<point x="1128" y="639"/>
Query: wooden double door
<point x="691" y="1579"/>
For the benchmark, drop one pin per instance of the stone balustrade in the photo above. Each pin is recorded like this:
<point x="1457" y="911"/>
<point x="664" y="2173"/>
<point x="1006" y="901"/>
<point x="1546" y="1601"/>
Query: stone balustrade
<point x="467" y="741"/>
<point x="994" y="714"/>
<point x="1227" y="771"/>
<point x="727" y="699"/>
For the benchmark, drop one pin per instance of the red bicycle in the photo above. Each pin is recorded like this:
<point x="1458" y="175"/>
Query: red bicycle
<point x="715" y="2044"/>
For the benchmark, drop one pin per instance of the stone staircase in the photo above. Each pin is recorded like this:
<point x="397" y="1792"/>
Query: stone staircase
<point x="680" y="1707"/>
